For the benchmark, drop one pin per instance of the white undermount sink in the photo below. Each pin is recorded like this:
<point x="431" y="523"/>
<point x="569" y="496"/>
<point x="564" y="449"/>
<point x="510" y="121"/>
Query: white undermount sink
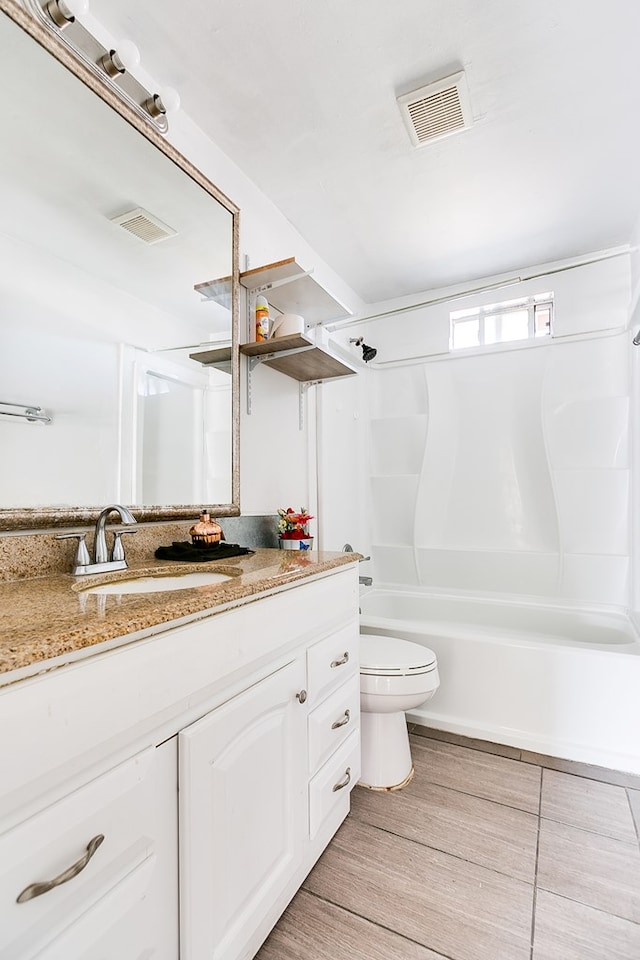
<point x="158" y="584"/>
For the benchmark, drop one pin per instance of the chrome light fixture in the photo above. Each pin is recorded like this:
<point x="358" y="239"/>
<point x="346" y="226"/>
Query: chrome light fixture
<point x="112" y="66"/>
<point x="64" y="12"/>
<point x="116" y="62"/>
<point x="167" y="101"/>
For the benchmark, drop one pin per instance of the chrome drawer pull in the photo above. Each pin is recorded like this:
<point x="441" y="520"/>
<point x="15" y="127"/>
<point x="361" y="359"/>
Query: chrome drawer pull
<point x="341" y="784"/>
<point x="343" y="659"/>
<point x="37" y="889"/>
<point x="343" y="722"/>
<point x="302" y="696"/>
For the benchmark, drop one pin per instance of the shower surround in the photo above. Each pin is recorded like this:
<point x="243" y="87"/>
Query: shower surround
<point x="506" y="473"/>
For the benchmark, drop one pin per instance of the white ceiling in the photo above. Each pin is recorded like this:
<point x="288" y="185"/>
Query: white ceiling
<point x="301" y="95"/>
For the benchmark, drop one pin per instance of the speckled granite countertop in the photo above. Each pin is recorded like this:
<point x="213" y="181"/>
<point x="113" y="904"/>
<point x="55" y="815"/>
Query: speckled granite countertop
<point x="50" y="617"/>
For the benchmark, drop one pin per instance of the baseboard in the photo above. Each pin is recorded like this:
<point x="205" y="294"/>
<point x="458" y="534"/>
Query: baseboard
<point x="580" y="768"/>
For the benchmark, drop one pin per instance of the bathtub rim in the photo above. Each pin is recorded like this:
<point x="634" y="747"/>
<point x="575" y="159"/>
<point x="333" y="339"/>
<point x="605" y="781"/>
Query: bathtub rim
<point x="622" y="619"/>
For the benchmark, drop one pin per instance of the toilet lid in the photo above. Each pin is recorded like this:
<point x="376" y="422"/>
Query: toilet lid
<point x="393" y="656"/>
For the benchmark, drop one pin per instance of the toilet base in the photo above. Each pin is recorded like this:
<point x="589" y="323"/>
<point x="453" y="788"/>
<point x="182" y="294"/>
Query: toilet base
<point x="398" y="786"/>
<point x="386" y="756"/>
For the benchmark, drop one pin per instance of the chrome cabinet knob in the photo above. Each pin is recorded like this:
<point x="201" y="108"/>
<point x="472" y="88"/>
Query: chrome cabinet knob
<point x="302" y="696"/>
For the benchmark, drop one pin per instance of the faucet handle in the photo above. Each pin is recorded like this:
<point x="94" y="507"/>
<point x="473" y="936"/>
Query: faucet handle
<point x="118" y="549"/>
<point x="82" y="554"/>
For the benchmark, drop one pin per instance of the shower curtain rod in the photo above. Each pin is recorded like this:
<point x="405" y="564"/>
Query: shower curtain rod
<point x="352" y="322"/>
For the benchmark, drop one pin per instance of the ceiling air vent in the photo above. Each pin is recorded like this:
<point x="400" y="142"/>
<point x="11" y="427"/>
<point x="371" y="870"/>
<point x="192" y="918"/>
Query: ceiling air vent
<point x="437" y="110"/>
<point x="143" y="225"/>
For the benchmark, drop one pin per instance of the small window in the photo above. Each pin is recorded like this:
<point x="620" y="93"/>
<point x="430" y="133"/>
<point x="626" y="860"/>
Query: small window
<point x="523" y="319"/>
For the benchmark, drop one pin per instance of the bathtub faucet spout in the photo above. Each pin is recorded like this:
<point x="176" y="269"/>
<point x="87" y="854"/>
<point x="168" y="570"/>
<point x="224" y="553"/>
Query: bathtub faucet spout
<point x="365" y="581"/>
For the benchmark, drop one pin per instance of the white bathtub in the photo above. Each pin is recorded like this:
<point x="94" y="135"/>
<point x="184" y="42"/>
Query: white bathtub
<point x="555" y="680"/>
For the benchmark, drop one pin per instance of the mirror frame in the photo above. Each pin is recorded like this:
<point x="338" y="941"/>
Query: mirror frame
<point x="41" y="517"/>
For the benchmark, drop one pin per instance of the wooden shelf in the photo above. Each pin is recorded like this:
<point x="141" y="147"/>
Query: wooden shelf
<point x="217" y="290"/>
<point x="219" y="358"/>
<point x="311" y="363"/>
<point x="303" y="295"/>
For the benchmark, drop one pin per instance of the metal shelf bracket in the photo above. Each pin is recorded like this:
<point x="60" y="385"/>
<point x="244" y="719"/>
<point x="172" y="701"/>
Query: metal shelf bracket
<point x="281" y="283"/>
<point x="302" y="393"/>
<point x="252" y="363"/>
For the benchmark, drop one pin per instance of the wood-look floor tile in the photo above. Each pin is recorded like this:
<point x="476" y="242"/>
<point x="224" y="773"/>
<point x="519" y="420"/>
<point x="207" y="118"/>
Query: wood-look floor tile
<point x="454" y="907"/>
<point x="480" y="774"/>
<point x="312" y="929"/>
<point x="487" y="746"/>
<point x="634" y="802"/>
<point x="595" y="806"/>
<point x="588" y="770"/>
<point x="485" y="832"/>
<point x="565" y="930"/>
<point x="599" y="871"/>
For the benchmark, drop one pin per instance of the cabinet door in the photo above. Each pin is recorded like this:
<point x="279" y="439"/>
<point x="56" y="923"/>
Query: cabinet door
<point x="243" y="815"/>
<point x="123" y="901"/>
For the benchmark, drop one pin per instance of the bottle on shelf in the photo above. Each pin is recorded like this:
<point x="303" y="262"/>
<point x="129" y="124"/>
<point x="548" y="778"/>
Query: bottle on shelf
<point x="262" y="319"/>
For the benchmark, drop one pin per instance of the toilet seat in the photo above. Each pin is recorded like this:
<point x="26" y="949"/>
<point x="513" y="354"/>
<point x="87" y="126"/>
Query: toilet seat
<point x="384" y="656"/>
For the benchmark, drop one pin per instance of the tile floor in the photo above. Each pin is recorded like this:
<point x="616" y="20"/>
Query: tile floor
<point x="481" y="857"/>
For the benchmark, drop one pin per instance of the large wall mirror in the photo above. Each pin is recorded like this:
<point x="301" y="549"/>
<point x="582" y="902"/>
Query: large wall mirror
<point x="100" y="401"/>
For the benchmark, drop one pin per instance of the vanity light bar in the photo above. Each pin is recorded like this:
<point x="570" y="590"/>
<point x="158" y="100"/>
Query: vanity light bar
<point x="60" y="18"/>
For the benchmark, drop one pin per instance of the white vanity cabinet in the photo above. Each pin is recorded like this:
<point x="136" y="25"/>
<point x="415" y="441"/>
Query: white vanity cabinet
<point x="95" y="871"/>
<point x="215" y="757"/>
<point x="243" y="813"/>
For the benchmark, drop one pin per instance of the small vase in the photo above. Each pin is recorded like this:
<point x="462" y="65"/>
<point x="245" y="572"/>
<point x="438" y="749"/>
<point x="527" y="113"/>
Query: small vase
<point x="305" y="544"/>
<point x="206" y="531"/>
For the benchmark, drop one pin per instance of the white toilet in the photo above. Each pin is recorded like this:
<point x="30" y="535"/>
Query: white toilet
<point x="395" y="675"/>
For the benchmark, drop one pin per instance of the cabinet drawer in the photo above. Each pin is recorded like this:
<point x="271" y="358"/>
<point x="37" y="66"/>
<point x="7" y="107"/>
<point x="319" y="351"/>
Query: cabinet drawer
<point x="329" y="789"/>
<point x="125" y="807"/>
<point x="333" y="721"/>
<point x="331" y="661"/>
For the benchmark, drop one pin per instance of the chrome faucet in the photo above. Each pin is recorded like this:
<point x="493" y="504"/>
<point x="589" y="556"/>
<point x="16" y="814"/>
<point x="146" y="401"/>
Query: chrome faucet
<point x="100" y="553"/>
<point x="101" y="562"/>
<point x="365" y="581"/>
